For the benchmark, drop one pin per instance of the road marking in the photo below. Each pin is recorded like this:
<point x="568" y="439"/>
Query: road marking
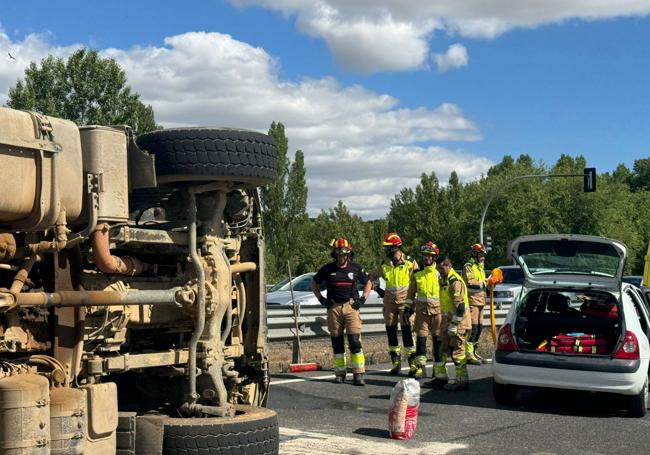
<point x="298" y="442"/>
<point x="331" y="376"/>
<point x="321" y="378"/>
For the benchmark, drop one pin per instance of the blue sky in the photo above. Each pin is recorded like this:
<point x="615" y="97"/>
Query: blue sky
<point x="562" y="77"/>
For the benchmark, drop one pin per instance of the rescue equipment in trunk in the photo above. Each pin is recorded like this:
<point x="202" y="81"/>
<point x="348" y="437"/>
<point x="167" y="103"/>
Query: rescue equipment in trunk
<point x="577" y="342"/>
<point x="607" y="309"/>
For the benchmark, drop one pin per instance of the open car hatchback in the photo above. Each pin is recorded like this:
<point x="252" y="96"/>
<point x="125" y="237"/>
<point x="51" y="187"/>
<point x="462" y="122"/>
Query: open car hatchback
<point x="576" y="324"/>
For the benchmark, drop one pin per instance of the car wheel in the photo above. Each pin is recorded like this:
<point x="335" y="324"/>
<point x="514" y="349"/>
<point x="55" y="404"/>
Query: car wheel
<point x="639" y="403"/>
<point x="505" y="394"/>
<point x="253" y="430"/>
<point x="196" y="154"/>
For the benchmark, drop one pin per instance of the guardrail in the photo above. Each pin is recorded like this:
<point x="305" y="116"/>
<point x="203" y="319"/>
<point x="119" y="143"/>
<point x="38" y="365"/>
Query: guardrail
<point x="313" y="321"/>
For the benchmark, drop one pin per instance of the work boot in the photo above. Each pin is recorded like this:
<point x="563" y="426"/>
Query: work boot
<point x="458" y="386"/>
<point x="358" y="379"/>
<point x="471" y="355"/>
<point x="397" y="363"/>
<point x="417" y="372"/>
<point x="412" y="366"/>
<point x="436" y="383"/>
<point x="339" y="379"/>
<point x="479" y="358"/>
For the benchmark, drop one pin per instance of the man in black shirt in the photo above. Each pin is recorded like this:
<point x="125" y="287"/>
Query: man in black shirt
<point x="343" y="303"/>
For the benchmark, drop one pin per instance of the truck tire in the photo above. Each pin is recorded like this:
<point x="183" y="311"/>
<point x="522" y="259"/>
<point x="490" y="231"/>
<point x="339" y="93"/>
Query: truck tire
<point x="252" y="431"/>
<point x="206" y="154"/>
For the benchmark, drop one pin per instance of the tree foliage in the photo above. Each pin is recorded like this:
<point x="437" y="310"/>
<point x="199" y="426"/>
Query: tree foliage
<point x="86" y="89"/>
<point x="285" y="210"/>
<point x="449" y="213"/>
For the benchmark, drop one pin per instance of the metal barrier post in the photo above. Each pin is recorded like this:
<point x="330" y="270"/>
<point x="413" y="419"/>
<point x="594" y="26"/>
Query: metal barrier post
<point x="296" y="350"/>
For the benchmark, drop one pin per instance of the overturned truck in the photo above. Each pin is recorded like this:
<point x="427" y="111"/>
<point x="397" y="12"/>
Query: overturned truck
<point x="132" y="313"/>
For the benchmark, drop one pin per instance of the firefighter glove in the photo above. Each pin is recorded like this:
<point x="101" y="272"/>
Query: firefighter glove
<point x="323" y="301"/>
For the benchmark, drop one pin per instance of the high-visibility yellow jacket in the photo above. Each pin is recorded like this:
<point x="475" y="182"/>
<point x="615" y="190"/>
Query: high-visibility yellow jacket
<point x="453" y="293"/>
<point x="425" y="284"/>
<point x="474" y="276"/>
<point x="424" y="290"/>
<point x="397" y="278"/>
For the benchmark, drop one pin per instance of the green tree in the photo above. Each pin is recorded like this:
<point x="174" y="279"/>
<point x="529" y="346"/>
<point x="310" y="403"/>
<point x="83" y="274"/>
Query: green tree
<point x="640" y="179"/>
<point x="339" y="222"/>
<point x="86" y="89"/>
<point x="285" y="210"/>
<point x="450" y="215"/>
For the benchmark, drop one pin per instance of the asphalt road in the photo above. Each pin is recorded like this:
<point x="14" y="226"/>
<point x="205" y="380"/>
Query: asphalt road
<point x="318" y="416"/>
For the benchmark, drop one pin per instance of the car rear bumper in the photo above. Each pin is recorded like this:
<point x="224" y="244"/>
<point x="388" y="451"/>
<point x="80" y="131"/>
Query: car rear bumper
<point x="597" y="374"/>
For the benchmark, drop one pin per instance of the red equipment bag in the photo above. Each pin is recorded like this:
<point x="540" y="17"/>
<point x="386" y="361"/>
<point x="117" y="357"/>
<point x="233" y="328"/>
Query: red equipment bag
<point x="578" y="340"/>
<point x="600" y="309"/>
<point x="578" y="343"/>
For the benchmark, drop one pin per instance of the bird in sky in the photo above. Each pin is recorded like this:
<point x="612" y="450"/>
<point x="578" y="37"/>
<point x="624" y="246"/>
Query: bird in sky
<point x="11" y="56"/>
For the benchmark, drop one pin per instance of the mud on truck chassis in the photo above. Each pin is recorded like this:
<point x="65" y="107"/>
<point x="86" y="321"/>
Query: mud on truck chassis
<point x="132" y="315"/>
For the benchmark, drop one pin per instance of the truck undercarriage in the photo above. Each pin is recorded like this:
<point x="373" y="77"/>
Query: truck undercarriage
<point x="132" y="288"/>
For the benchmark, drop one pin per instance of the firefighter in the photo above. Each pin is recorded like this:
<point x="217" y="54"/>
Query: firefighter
<point x="474" y="277"/>
<point x="396" y="270"/>
<point x="343" y="303"/>
<point x="425" y="284"/>
<point x="456" y="320"/>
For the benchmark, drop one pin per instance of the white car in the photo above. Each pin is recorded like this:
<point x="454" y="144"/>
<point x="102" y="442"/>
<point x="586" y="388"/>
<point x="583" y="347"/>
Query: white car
<point x="280" y="294"/>
<point x="576" y="324"/>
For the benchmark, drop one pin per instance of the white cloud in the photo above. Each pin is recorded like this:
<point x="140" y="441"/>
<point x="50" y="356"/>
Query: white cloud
<point x="394" y="35"/>
<point x="33" y="48"/>
<point x="360" y="146"/>
<point x="455" y="57"/>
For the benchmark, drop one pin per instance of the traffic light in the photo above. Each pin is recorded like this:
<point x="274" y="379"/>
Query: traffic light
<point x="589" y="183"/>
<point x="488" y="243"/>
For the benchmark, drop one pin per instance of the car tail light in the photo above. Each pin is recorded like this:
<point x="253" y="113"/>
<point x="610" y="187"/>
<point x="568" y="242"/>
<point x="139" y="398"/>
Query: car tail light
<point x="629" y="349"/>
<point x="505" y="340"/>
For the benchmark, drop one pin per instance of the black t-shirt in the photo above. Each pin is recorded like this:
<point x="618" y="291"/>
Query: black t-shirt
<point x="341" y="282"/>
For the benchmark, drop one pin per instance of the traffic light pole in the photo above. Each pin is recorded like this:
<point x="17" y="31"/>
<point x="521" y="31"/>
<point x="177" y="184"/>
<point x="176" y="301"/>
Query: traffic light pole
<point x="510" y="182"/>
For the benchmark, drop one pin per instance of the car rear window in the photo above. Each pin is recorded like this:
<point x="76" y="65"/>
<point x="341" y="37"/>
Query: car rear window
<point x="570" y="256"/>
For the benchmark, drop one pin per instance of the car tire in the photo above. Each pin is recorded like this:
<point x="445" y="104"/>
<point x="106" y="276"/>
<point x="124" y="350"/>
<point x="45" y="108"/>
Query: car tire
<point x="504" y="394"/>
<point x="206" y="154"/>
<point x="638" y="406"/>
<point x="253" y="430"/>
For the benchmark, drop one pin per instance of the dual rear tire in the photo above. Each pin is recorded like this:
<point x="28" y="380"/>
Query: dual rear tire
<point x="253" y="430"/>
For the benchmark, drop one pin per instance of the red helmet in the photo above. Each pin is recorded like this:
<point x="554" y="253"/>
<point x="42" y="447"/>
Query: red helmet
<point x="342" y="246"/>
<point x="430" y="248"/>
<point x="478" y="248"/>
<point x="392" y="239"/>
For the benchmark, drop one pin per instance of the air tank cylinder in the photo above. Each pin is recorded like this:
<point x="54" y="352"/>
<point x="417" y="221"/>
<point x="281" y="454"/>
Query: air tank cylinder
<point x="24" y="415"/>
<point x="67" y="421"/>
